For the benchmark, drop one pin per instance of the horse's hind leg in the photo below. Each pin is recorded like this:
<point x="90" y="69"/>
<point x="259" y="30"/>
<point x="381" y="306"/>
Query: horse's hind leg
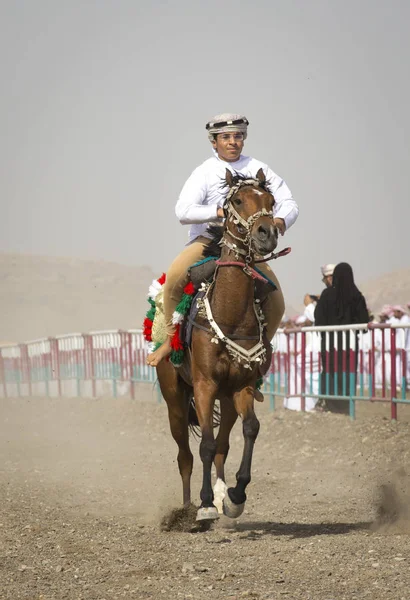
<point x="234" y="502"/>
<point x="176" y="395"/>
<point x="228" y="418"/>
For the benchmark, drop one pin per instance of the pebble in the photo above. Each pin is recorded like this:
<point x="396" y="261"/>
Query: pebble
<point x="187" y="568"/>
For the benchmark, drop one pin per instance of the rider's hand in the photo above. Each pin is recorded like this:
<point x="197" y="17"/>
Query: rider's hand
<point x="280" y="224"/>
<point x="220" y="213"/>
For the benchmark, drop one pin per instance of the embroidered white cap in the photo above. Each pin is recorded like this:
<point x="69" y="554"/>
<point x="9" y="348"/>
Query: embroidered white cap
<point x="328" y="269"/>
<point x="226" y="123"/>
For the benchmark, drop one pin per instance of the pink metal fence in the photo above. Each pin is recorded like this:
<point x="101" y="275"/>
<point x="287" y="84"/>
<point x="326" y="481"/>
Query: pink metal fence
<point x="345" y="364"/>
<point x="92" y="364"/>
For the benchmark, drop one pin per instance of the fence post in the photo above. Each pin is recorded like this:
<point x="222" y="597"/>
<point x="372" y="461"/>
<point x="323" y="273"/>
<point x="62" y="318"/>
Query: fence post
<point x="303" y="373"/>
<point x="131" y="365"/>
<point x="55" y="354"/>
<point x="3" y="374"/>
<point x="393" y="390"/>
<point x="352" y="373"/>
<point x="25" y="364"/>
<point x="88" y="343"/>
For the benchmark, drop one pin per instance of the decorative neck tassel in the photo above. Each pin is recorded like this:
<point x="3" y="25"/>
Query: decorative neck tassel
<point x="181" y="311"/>
<point x="154" y="288"/>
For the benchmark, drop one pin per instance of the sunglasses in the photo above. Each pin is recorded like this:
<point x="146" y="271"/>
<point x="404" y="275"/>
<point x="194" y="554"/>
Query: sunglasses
<point x="226" y="123"/>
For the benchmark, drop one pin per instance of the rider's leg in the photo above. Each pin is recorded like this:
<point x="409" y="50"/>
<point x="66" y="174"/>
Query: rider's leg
<point x="177" y="278"/>
<point x="274" y="306"/>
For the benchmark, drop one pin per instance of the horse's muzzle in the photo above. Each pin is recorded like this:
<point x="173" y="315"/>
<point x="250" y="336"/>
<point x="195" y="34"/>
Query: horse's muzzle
<point x="265" y="237"/>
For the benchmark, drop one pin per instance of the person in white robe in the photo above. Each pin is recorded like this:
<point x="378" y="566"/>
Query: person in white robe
<point x="312" y="351"/>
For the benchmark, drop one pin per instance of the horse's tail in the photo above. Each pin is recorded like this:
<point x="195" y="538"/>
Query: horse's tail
<point x="193" y="422"/>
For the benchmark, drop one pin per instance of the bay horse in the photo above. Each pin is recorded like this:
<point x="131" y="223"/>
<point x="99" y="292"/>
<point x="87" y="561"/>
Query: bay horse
<point x="221" y="368"/>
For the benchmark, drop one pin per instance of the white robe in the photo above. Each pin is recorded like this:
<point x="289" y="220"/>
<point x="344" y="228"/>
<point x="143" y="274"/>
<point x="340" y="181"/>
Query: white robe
<point x="203" y="193"/>
<point x="312" y="372"/>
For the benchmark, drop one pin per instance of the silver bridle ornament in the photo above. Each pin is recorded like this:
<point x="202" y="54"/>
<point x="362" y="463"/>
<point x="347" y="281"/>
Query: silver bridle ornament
<point x="234" y="217"/>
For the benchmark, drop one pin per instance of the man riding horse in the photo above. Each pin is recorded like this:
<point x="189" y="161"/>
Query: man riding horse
<point x="201" y="202"/>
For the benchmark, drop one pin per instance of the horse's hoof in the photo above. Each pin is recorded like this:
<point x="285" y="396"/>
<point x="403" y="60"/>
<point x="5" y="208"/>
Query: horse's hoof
<point x="232" y="510"/>
<point x="207" y="513"/>
<point x="220" y="489"/>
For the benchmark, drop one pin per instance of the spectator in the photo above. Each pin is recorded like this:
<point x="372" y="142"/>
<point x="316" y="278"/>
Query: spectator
<point x="341" y="304"/>
<point x="402" y="342"/>
<point x="327" y="274"/>
<point x="382" y="360"/>
<point x="310" y="302"/>
<point x="311" y="368"/>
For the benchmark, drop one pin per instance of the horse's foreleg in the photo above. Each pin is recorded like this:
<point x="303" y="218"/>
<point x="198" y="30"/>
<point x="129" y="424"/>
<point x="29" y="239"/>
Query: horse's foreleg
<point x="204" y="402"/>
<point x="228" y="418"/>
<point x="234" y="503"/>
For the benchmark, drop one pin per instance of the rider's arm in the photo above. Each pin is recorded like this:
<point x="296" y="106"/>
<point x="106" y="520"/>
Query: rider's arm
<point x="285" y="206"/>
<point x="190" y="207"/>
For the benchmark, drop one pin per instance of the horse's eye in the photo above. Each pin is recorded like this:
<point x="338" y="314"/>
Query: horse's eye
<point x="238" y="201"/>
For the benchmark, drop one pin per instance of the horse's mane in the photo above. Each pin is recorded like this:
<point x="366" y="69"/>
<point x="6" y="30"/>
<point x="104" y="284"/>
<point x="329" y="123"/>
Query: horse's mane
<point x="216" y="231"/>
<point x="238" y="177"/>
<point x="213" y="248"/>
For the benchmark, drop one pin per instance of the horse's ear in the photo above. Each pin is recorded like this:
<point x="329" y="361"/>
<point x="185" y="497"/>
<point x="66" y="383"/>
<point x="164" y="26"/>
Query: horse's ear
<point x="260" y="176"/>
<point x="229" y="177"/>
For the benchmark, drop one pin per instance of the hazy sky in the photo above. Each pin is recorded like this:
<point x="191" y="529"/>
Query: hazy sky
<point x="104" y="103"/>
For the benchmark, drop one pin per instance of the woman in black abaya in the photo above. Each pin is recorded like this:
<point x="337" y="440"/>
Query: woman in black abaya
<point x="341" y="304"/>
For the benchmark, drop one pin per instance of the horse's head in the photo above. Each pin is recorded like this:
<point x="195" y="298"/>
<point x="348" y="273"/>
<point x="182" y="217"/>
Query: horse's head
<point x="249" y="213"/>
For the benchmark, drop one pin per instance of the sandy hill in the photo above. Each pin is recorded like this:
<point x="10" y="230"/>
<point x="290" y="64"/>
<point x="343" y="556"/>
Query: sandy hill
<point x="390" y="288"/>
<point x="44" y="296"/>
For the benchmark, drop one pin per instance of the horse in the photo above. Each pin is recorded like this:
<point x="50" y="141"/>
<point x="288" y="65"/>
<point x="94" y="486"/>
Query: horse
<point x="225" y="361"/>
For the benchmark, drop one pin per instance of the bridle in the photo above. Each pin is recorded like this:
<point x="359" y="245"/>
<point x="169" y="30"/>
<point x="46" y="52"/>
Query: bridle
<point x="234" y="217"/>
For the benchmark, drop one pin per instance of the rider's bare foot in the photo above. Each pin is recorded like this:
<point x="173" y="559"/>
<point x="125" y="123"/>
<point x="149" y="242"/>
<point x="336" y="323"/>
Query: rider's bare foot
<point x="259" y="397"/>
<point x="162" y="352"/>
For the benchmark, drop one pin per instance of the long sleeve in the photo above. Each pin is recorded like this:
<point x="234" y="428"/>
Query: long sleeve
<point x="285" y="206"/>
<point x="361" y="312"/>
<point x="190" y="207"/>
<point x="320" y="310"/>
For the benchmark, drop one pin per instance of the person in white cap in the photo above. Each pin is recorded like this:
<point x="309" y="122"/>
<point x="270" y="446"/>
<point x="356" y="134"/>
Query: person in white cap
<point x="327" y="274"/>
<point x="200" y="203"/>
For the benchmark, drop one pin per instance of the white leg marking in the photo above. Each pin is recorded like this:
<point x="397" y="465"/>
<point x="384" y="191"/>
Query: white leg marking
<point x="220" y="488"/>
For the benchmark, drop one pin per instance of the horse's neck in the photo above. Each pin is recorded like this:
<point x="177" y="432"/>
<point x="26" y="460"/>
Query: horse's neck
<point x="233" y="297"/>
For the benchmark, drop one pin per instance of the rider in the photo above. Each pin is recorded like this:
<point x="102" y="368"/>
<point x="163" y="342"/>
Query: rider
<point x="200" y="203"/>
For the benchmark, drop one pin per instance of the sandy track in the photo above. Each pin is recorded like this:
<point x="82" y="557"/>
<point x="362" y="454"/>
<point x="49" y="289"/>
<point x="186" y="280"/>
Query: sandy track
<point x="84" y="484"/>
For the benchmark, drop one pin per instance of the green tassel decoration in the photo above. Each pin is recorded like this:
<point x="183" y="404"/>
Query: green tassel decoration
<point x="177" y="357"/>
<point x="185" y="304"/>
<point x="151" y="312"/>
<point x="259" y="383"/>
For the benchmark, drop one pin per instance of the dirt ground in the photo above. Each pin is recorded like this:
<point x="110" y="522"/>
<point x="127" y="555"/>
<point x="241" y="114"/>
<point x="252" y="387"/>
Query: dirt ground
<point x="85" y="483"/>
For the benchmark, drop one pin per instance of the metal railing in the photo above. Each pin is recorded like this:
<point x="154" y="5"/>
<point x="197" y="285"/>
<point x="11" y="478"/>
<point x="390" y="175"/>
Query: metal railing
<point x="92" y="364"/>
<point x="343" y="364"/>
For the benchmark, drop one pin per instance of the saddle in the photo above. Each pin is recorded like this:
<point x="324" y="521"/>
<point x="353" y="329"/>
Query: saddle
<point x="204" y="270"/>
<point x="201" y="274"/>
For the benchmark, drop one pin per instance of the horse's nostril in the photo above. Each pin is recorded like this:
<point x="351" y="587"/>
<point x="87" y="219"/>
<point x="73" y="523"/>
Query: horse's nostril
<point x="262" y="231"/>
